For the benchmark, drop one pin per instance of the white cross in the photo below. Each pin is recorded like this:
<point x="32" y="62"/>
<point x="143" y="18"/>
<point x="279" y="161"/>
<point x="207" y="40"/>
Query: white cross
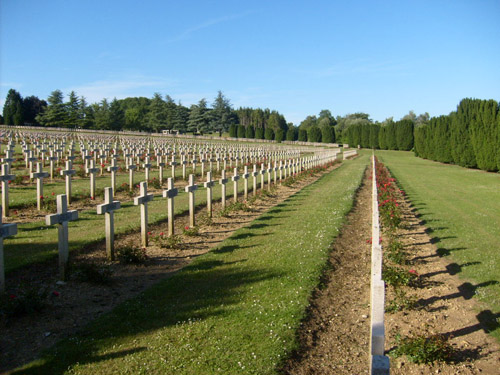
<point x="255" y="174"/>
<point x="235" y="179"/>
<point x="223" y="182"/>
<point x="68" y="172"/>
<point x="209" y="184"/>
<point x="146" y="166"/>
<point x="5" y="231"/>
<point x="170" y="193"/>
<point x="143" y="200"/>
<point x="5" y="177"/>
<point x="108" y="209"/>
<point x="62" y="218"/>
<point x="113" y="168"/>
<point x="92" y="171"/>
<point x="191" y="188"/>
<point x="131" y="168"/>
<point x="39" y="175"/>
<point x="245" y="177"/>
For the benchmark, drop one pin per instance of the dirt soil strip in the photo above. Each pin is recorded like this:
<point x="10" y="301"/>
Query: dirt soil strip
<point x="78" y="303"/>
<point x="445" y="306"/>
<point x="334" y="338"/>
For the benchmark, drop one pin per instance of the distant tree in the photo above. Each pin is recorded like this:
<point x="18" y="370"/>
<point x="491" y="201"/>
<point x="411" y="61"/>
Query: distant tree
<point x="404" y="134"/>
<point x="308" y="122"/>
<point x="198" y="118"/>
<point x="241" y="131"/>
<point x="55" y="113"/>
<point x="233" y="131"/>
<point x="116" y="116"/>
<point x="13" y="113"/>
<point x="314" y="134"/>
<point x="259" y="133"/>
<point x="460" y="142"/>
<point x="302" y="136"/>
<point x="32" y="106"/>
<point x="484" y="133"/>
<point x="156" y="119"/>
<point x="222" y="113"/>
<point x="72" y="107"/>
<point x="181" y="118"/>
<point x="85" y="115"/>
<point x="269" y="134"/>
<point x="249" y="132"/>
<point x="279" y="135"/>
<point x="102" y="115"/>
<point x="374" y="131"/>
<point x="291" y="134"/>
<point x="170" y="112"/>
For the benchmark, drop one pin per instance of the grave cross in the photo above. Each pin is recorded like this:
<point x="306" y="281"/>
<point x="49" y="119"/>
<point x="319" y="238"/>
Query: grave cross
<point x="8" y="158"/>
<point x="269" y="170"/>
<point x="170" y="193"/>
<point x="5" y="231"/>
<point x="147" y="167"/>
<point x="62" y="218"/>
<point x="92" y="171"/>
<point x="223" y="182"/>
<point x="173" y="163"/>
<point x="143" y="200"/>
<point x="108" y="209"/>
<point x="68" y="172"/>
<point x="262" y="175"/>
<point x="208" y="185"/>
<point x="254" y="174"/>
<point x="31" y="159"/>
<point x="191" y="188"/>
<point x="235" y="179"/>
<point x="39" y="175"/>
<point x="245" y="177"/>
<point x="5" y="177"/>
<point x="131" y="168"/>
<point x="113" y="170"/>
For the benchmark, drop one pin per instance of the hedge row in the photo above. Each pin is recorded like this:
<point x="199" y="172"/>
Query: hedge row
<point x="392" y="136"/>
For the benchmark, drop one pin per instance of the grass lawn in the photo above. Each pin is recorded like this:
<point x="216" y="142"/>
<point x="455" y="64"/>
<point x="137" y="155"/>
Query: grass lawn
<point x="234" y="310"/>
<point x="461" y="207"/>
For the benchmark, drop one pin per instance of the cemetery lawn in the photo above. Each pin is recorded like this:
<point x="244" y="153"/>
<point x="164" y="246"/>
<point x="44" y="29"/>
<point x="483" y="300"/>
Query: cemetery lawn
<point x="461" y="209"/>
<point x="234" y="310"/>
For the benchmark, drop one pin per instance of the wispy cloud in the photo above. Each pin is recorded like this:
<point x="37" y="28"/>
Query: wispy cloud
<point x="186" y="34"/>
<point x="120" y="88"/>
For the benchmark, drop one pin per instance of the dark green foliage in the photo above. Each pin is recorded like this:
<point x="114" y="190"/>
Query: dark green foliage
<point x="13" y="108"/>
<point x="365" y="136"/>
<point x="461" y="145"/>
<point x="291" y="133"/>
<point x="390" y="136"/>
<point x="241" y="131"/>
<point x="484" y="132"/>
<point x="422" y="349"/>
<point x="279" y="135"/>
<point x="233" y="133"/>
<point x="259" y="133"/>
<point x="249" y="132"/>
<point x="328" y="134"/>
<point x="32" y="107"/>
<point x="382" y="144"/>
<point x="302" y="137"/>
<point x="269" y="134"/>
<point x="404" y="135"/>
<point x="374" y="130"/>
<point x="314" y="134"/>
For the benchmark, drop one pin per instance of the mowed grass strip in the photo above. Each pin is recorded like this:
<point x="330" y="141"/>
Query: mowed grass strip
<point x="234" y="310"/>
<point x="461" y="207"/>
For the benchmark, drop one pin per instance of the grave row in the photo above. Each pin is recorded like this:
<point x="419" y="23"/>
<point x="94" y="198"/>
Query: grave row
<point x="64" y="216"/>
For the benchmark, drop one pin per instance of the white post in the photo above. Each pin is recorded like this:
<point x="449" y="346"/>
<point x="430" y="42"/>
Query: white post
<point x="170" y="193"/>
<point x="143" y="200"/>
<point x="108" y="209"/>
<point x="191" y="188"/>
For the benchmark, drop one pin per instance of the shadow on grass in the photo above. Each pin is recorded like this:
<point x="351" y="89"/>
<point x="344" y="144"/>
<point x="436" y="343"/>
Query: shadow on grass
<point x="204" y="289"/>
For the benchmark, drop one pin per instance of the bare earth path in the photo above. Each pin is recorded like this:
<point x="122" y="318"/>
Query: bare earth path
<point x="334" y="338"/>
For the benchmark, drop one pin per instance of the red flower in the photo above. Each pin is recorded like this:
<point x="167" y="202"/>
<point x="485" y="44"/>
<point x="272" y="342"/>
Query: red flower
<point x="56" y="294"/>
<point x="413" y="272"/>
<point x="53" y="193"/>
<point x="150" y="233"/>
<point x="186" y="227"/>
<point x="161" y="233"/>
<point x="12" y="296"/>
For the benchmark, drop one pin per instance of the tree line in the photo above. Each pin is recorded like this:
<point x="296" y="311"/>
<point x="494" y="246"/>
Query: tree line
<point x="469" y="136"/>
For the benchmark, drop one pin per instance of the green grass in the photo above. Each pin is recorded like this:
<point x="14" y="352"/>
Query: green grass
<point x="461" y="207"/>
<point x="234" y="310"/>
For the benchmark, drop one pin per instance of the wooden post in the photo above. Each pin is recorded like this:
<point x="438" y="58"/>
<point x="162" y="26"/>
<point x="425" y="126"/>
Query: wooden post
<point x="5" y="177"/>
<point x="62" y="218"/>
<point x="5" y="231"/>
<point x="143" y="200"/>
<point x="108" y="209"/>
<point x="235" y="179"/>
<point x="170" y="193"/>
<point x="39" y="175"/>
<point x="191" y="188"/>
<point x="208" y="185"/>
<point x="68" y="172"/>
<point x="223" y="182"/>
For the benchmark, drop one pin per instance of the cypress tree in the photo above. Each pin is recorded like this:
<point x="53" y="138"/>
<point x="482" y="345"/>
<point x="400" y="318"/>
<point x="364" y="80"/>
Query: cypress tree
<point x="302" y="135"/>
<point x="269" y="134"/>
<point x="382" y="138"/>
<point x="314" y="134"/>
<point x="280" y="135"/>
<point x="461" y="147"/>
<point x="365" y="135"/>
<point x="404" y="135"/>
<point x="232" y="131"/>
<point x="291" y="134"/>
<point x="390" y="136"/>
<point x="483" y="134"/>
<point x="374" y="130"/>
<point x="249" y="132"/>
<point x="241" y="131"/>
<point x="259" y="133"/>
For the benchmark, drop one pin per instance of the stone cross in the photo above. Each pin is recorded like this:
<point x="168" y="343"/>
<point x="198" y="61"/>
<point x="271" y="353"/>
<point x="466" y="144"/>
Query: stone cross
<point x="92" y="171"/>
<point x="275" y="169"/>
<point x="281" y="170"/>
<point x="170" y="193"/>
<point x="62" y="218"/>
<point x="52" y="158"/>
<point x="191" y="188"/>
<point x="223" y="182"/>
<point x="5" y="177"/>
<point x="161" y="165"/>
<point x="262" y="175"/>
<point x="235" y="179"/>
<point x="5" y="231"/>
<point x="173" y="163"/>
<point x="147" y="167"/>
<point x="245" y="177"/>
<point x="184" y="163"/>
<point x="108" y="209"/>
<point x="39" y="175"/>
<point x="131" y="168"/>
<point x="68" y="172"/>
<point x="87" y="157"/>
<point x="113" y="170"/>
<point x="8" y="158"/>
<point x="269" y="170"/>
<point x="209" y="185"/>
<point x="143" y="200"/>
<point x="254" y="174"/>
<point x="31" y="159"/>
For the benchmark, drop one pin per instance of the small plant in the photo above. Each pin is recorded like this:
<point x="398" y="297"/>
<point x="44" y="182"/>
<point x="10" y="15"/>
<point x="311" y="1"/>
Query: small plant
<point x="27" y="300"/>
<point x="397" y="277"/>
<point x="396" y="253"/>
<point x="194" y="231"/>
<point x="401" y="302"/>
<point x="132" y="255"/>
<point x="204" y="219"/>
<point x="167" y="242"/>
<point x="19" y="179"/>
<point x="422" y="349"/>
<point x="154" y="183"/>
<point x="94" y="273"/>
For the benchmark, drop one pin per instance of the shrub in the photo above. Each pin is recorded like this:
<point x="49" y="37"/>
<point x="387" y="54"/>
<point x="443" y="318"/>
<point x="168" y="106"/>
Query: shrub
<point x="422" y="349"/>
<point x="27" y="300"/>
<point x="132" y="255"/>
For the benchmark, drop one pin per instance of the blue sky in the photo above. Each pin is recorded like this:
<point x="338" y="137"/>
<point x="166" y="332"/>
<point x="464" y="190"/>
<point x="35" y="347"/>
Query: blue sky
<point x="384" y="58"/>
